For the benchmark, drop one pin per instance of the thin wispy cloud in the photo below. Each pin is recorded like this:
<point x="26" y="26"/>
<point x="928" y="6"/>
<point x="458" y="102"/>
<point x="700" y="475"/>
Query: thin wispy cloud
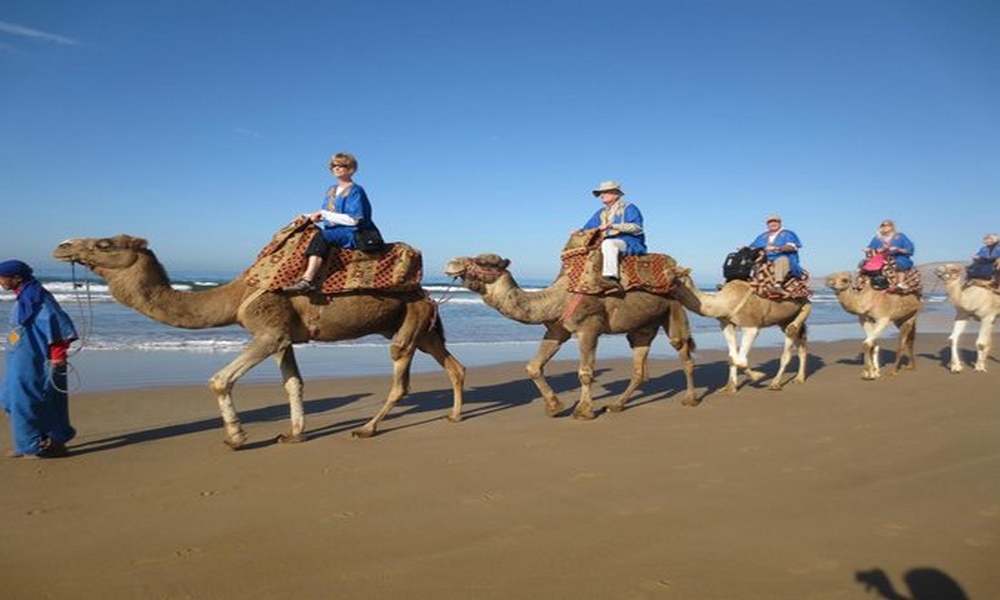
<point x="247" y="133"/>
<point x="35" y="34"/>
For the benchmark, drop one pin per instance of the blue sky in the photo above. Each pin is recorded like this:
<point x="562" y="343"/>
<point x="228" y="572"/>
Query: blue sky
<point x="204" y="126"/>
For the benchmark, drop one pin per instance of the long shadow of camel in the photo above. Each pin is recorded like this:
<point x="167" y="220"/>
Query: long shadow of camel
<point x="479" y="402"/>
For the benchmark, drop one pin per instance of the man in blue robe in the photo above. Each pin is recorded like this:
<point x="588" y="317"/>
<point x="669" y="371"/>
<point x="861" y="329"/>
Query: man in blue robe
<point x="781" y="249"/>
<point x="34" y="390"/>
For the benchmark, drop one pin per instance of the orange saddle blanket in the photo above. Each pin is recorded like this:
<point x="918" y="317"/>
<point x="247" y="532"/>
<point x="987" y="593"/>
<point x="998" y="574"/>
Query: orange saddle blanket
<point x="581" y="263"/>
<point x="398" y="268"/>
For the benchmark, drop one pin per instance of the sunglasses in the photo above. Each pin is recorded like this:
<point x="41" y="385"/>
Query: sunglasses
<point x="340" y="165"/>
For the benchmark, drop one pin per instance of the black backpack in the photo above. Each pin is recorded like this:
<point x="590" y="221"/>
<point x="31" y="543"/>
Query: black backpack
<point x="740" y="264"/>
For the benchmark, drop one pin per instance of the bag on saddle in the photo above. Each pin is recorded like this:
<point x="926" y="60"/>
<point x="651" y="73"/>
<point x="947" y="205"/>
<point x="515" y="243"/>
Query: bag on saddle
<point x="874" y="264"/>
<point x="877" y="280"/>
<point x="740" y="264"/>
<point x="369" y="240"/>
<point x="980" y="270"/>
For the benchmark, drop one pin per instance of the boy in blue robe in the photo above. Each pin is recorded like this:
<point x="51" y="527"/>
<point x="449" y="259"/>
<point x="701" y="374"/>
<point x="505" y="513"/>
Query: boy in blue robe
<point x="34" y="393"/>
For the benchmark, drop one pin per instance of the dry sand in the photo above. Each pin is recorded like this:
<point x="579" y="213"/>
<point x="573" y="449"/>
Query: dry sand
<point x="795" y="494"/>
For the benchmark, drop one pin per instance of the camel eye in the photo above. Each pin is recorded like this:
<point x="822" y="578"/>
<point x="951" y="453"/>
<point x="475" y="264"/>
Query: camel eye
<point x="104" y="244"/>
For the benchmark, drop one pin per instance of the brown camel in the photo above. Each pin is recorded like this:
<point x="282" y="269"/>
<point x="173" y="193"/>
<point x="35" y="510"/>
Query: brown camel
<point x="876" y="309"/>
<point x="137" y="279"/>
<point x="637" y="314"/>
<point x="977" y="302"/>
<point x="737" y="307"/>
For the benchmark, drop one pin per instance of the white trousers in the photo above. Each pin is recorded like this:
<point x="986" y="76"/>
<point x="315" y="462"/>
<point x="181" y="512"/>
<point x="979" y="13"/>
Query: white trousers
<point x="610" y="249"/>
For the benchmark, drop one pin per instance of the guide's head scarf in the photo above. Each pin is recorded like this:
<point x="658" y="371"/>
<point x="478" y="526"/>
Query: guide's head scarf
<point x="29" y="293"/>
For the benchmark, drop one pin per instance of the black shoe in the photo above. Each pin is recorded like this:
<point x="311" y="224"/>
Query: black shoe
<point x="302" y="286"/>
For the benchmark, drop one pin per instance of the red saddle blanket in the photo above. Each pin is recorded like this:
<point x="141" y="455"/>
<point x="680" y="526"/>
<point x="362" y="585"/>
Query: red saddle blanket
<point x="581" y="264"/>
<point x="398" y="268"/>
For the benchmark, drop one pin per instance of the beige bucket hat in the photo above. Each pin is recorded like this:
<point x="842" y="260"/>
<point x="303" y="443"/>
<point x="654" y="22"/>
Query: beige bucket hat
<point x="608" y="186"/>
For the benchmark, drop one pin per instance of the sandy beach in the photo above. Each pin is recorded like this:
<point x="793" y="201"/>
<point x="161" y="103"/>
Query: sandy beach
<point x="806" y="493"/>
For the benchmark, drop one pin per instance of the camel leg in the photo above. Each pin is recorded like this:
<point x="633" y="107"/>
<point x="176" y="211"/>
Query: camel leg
<point x="956" y="332"/>
<point x="640" y="343"/>
<point x="749" y="337"/>
<point x="729" y="332"/>
<point x="434" y="345"/>
<point x="554" y="338"/>
<point x="907" y="336"/>
<point x="585" y="372"/>
<point x="786" y="357"/>
<point x="802" y="342"/>
<point x="402" y="358"/>
<point x="292" y="378"/>
<point x="221" y="384"/>
<point x="983" y="341"/>
<point x="870" y="347"/>
<point x="679" y="332"/>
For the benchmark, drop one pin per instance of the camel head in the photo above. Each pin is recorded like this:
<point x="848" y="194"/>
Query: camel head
<point x="949" y="272"/>
<point x="108" y="254"/>
<point x="477" y="272"/>
<point x="839" y="282"/>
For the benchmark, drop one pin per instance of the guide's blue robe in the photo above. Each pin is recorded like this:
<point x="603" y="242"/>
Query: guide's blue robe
<point x="34" y="392"/>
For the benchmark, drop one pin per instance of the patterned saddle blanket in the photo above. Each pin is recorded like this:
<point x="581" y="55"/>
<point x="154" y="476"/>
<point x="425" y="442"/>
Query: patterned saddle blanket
<point x="763" y="283"/>
<point x="398" y="268"/>
<point x="581" y="264"/>
<point x="913" y="283"/>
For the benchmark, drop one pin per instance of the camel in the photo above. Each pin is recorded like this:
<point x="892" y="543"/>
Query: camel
<point x="740" y="310"/>
<point x="876" y="309"/>
<point x="276" y="322"/>
<point x="637" y="314"/>
<point x="971" y="302"/>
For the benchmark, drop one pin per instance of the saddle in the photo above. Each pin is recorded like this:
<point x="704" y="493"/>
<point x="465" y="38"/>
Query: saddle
<point x="881" y="279"/>
<point x="397" y="268"/>
<point x="763" y="282"/>
<point x="581" y="264"/>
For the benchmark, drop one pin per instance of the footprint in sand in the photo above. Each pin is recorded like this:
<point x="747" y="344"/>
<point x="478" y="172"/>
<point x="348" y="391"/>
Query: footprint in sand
<point x="981" y="540"/>
<point x="890" y="529"/>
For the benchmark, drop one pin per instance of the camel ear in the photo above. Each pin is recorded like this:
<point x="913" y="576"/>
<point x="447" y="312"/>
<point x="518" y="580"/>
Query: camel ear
<point x="504" y="263"/>
<point x="135" y="243"/>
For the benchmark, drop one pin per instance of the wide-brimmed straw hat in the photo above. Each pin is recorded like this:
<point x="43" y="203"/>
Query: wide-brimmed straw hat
<point x="608" y="186"/>
<point x="773" y="217"/>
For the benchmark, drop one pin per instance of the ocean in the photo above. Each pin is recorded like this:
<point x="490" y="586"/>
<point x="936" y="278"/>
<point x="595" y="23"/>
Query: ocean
<point x="120" y="348"/>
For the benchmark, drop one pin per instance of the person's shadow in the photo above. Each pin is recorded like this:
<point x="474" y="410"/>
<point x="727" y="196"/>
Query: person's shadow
<point x="924" y="583"/>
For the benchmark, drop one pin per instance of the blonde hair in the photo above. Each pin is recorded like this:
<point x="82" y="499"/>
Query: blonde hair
<point x="344" y="156"/>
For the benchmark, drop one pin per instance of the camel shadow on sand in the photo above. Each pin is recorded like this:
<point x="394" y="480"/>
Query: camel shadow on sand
<point x="432" y="405"/>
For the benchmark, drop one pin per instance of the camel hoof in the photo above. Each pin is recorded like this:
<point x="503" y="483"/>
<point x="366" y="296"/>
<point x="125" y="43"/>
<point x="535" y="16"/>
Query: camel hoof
<point x="754" y="376"/>
<point x="455" y="418"/>
<point x="690" y="401"/>
<point x="297" y="438"/>
<point x="774" y="387"/>
<point x="615" y="407"/>
<point x="235" y="442"/>
<point x="553" y="408"/>
<point x="362" y="433"/>
<point x="584" y="415"/>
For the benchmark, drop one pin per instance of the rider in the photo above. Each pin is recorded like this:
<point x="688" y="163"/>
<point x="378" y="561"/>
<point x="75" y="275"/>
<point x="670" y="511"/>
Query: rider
<point x="345" y="209"/>
<point x="890" y="243"/>
<point x="781" y="249"/>
<point x="621" y="224"/>
<point x="986" y="262"/>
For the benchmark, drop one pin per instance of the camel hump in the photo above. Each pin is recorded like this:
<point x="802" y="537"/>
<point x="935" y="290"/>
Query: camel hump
<point x="399" y="267"/>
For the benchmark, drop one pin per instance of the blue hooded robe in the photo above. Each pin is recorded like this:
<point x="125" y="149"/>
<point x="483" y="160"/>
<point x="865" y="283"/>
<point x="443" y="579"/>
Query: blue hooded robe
<point x="34" y="391"/>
